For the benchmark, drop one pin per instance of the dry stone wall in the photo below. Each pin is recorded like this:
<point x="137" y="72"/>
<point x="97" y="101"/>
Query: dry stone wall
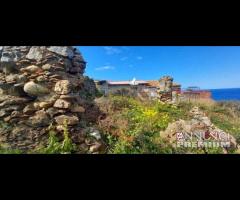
<point x="43" y="85"/>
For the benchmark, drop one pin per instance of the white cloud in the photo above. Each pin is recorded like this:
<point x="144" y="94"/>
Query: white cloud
<point x="112" y="50"/>
<point x="139" y="57"/>
<point x="106" y="67"/>
<point x="124" y="58"/>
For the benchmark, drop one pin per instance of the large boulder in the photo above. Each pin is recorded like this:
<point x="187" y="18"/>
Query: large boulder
<point x="36" y="53"/>
<point x="34" y="89"/>
<point x="63" y="51"/>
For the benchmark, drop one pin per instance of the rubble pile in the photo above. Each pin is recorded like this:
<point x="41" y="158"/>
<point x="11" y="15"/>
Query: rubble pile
<point x="199" y="124"/>
<point x="43" y="85"/>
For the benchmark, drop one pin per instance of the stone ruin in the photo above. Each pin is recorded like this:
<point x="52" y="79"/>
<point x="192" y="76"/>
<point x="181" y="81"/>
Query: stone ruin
<point x="199" y="124"/>
<point x="165" y="89"/>
<point x="43" y="85"/>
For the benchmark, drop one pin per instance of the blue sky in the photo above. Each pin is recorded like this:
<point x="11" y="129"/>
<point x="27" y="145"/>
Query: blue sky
<point x="206" y="67"/>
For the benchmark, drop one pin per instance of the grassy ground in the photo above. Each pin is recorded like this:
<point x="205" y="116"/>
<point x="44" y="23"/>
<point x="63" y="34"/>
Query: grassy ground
<point x="133" y="126"/>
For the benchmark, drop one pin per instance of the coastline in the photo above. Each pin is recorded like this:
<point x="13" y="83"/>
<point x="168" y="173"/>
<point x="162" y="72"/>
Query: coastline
<point x="226" y="94"/>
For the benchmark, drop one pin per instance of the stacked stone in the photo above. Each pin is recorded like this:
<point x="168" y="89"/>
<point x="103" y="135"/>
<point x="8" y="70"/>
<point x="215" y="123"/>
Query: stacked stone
<point x="165" y="89"/>
<point x="199" y="123"/>
<point x="39" y="86"/>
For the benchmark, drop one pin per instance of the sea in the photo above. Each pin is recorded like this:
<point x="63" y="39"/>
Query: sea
<point x="230" y="94"/>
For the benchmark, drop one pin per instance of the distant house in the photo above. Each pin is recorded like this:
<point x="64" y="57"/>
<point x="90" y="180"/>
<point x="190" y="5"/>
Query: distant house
<point x="152" y="88"/>
<point x="107" y="87"/>
<point x="141" y="87"/>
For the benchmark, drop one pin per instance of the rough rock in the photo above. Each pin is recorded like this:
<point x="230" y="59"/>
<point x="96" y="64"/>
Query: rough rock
<point x="40" y="118"/>
<point x="13" y="53"/>
<point x="54" y="111"/>
<point x="29" y="109"/>
<point x="70" y="119"/>
<point x="14" y="101"/>
<point x="45" y="104"/>
<point x="97" y="147"/>
<point x="63" y="87"/>
<point x="34" y="89"/>
<point x="46" y="67"/>
<point x="95" y="133"/>
<point x="31" y="69"/>
<point x="60" y="103"/>
<point x="64" y="51"/>
<point x="35" y="53"/>
<point x="12" y="78"/>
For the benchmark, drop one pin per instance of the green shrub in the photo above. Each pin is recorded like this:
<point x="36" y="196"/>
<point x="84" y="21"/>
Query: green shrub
<point x="67" y="145"/>
<point x="57" y="147"/>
